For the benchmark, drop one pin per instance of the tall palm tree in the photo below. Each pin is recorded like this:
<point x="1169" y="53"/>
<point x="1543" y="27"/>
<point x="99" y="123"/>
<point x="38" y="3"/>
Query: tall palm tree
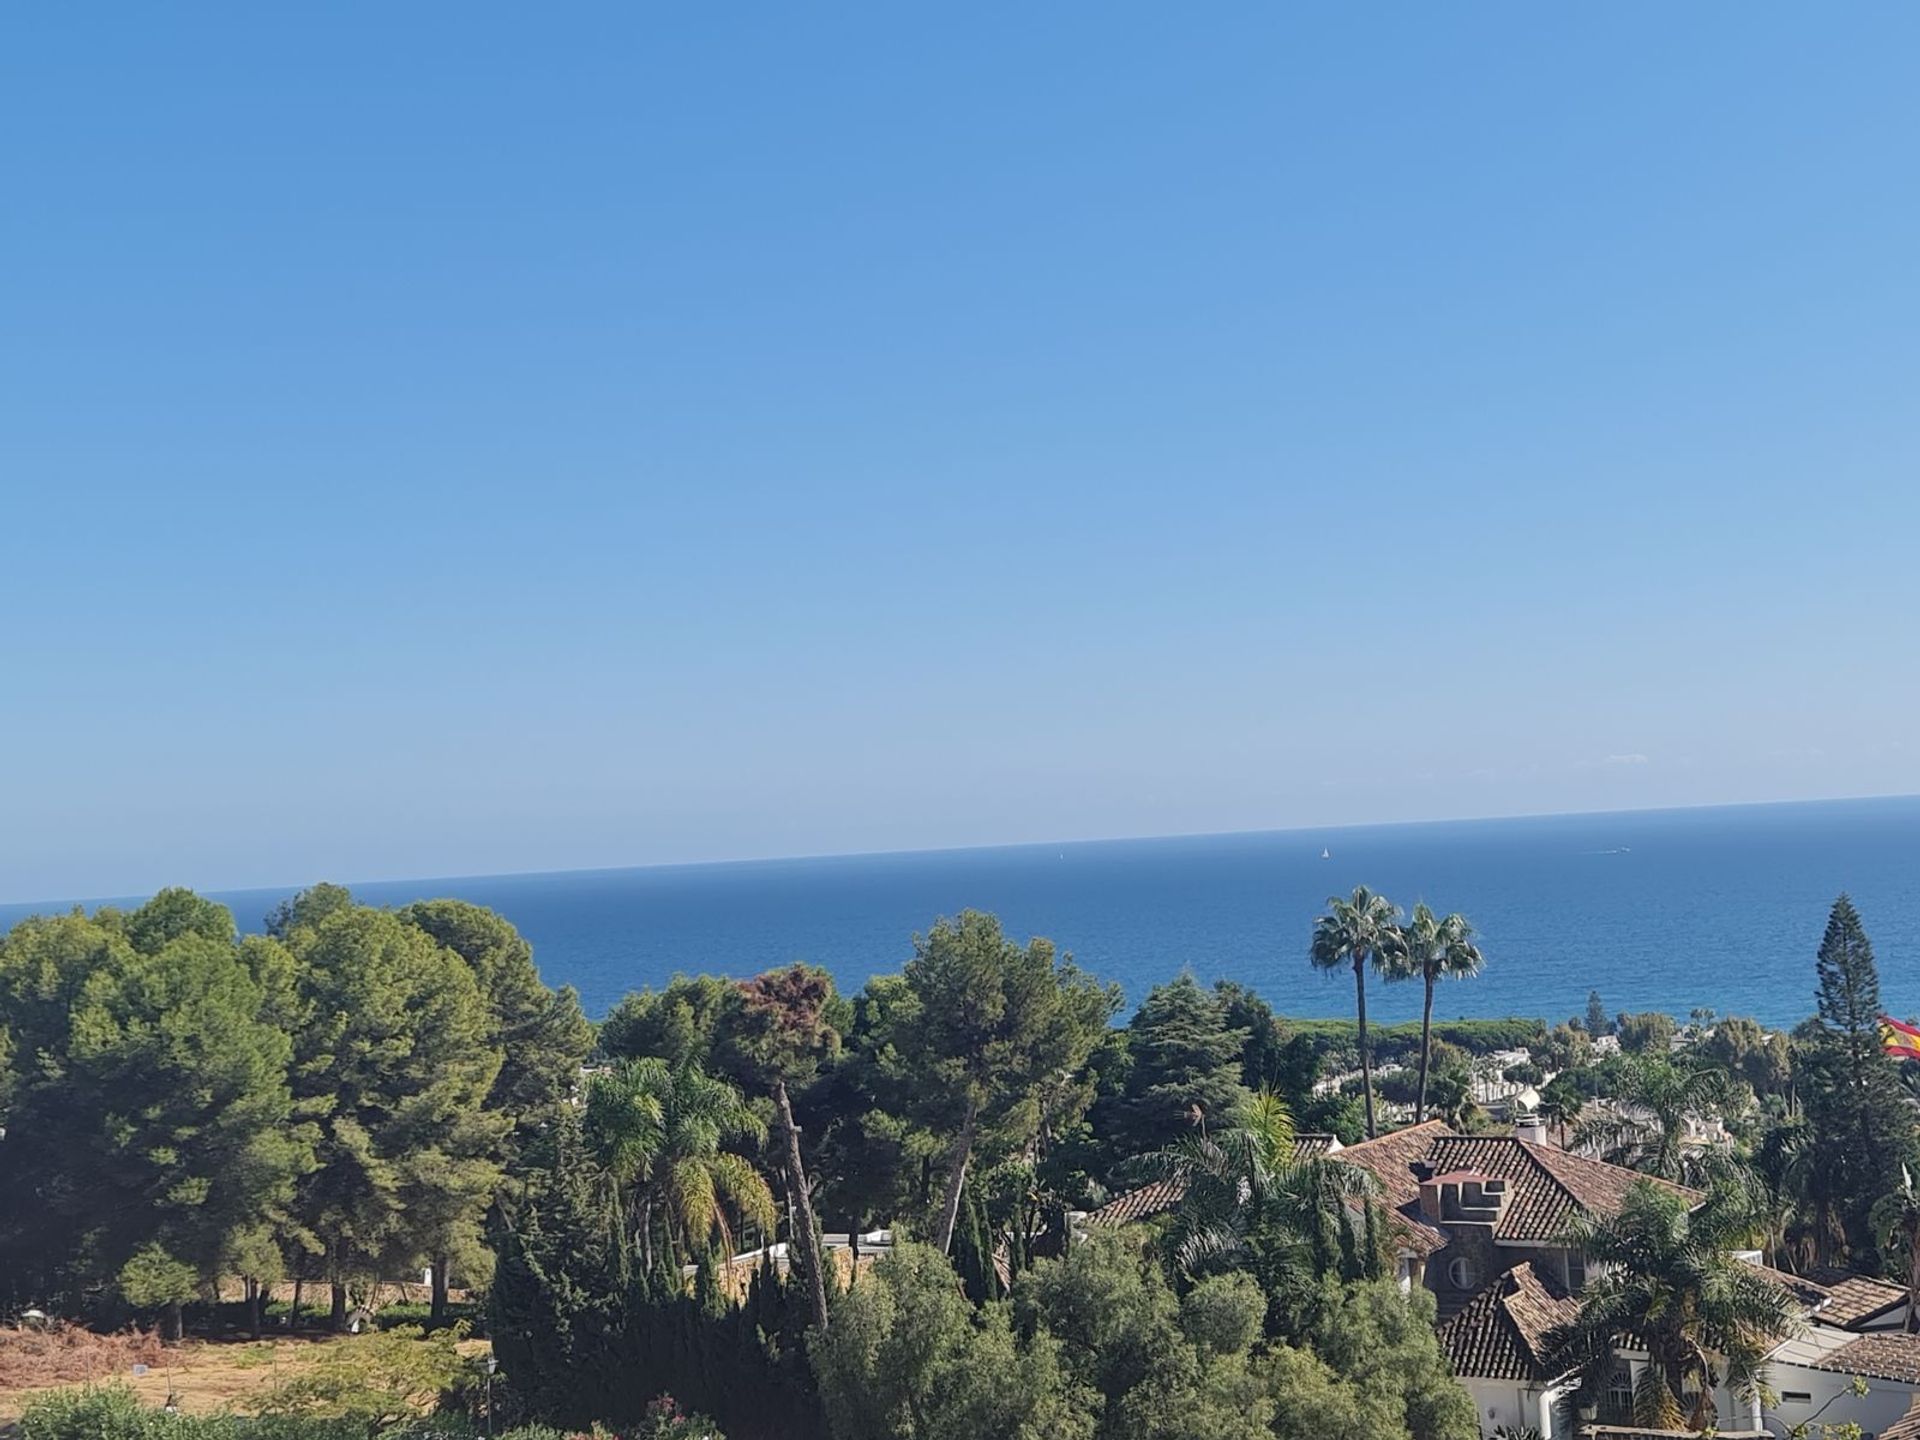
<point x="1803" y="1224"/>
<point x="1896" y="1229"/>
<point x="1646" y="1127"/>
<point x="658" y="1130"/>
<point x="1667" y="1277"/>
<point x="1433" y="948"/>
<point x="1560" y="1105"/>
<point x="1360" y="930"/>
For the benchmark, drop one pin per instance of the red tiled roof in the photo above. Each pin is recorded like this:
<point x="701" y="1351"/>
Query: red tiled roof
<point x="1809" y="1294"/>
<point x="1888" y="1356"/>
<point x="1546" y="1186"/>
<point x="1391" y="1159"/>
<point x="1855" y="1298"/>
<point x="1149" y="1200"/>
<point x="1501" y="1332"/>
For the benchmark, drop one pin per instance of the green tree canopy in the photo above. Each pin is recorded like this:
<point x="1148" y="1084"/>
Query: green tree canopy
<point x="785" y="1027"/>
<point x="909" y="1359"/>
<point x="1647" y="1033"/>
<point x="1598" y="1023"/>
<point x="1746" y="1051"/>
<point x="542" y="1035"/>
<point x="659" y="1134"/>
<point x="1373" y="1367"/>
<point x="1183" y="1071"/>
<point x="1432" y="948"/>
<point x="677" y="1023"/>
<point x="996" y="1036"/>
<point x="396" y="1051"/>
<point x="152" y="1111"/>
<point x="1153" y="1366"/>
<point x="1645" y="1118"/>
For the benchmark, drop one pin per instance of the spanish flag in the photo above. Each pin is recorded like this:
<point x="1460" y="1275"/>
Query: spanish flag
<point x="1902" y="1042"/>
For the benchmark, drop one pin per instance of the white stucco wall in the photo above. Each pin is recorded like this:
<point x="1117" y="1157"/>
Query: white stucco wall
<point x="1509" y="1403"/>
<point x="1829" y="1395"/>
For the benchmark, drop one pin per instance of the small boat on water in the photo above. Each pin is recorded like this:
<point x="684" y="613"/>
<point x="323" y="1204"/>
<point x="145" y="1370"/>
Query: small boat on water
<point x="1326" y="854"/>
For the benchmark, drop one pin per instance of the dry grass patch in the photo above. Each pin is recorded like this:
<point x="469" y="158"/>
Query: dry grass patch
<point x="35" y="1358"/>
<point x="201" y="1376"/>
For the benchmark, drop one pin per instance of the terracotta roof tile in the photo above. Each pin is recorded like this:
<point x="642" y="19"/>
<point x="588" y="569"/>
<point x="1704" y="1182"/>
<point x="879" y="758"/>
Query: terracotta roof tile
<point x="1856" y="1298"/>
<point x="1887" y="1356"/>
<point x="1391" y="1159"/>
<point x="1546" y="1186"/>
<point x="1501" y="1332"/>
<point x="1907" y="1427"/>
<point x="1142" y="1204"/>
<point x="1809" y="1293"/>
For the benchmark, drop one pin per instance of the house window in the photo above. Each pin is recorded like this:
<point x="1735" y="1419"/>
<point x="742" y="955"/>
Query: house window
<point x="1576" y="1271"/>
<point x="1461" y="1274"/>
<point x="1796" y="1397"/>
<point x="1619" y="1400"/>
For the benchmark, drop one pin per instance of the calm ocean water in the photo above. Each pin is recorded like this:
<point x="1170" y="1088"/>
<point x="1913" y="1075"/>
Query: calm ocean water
<point x="1660" y="910"/>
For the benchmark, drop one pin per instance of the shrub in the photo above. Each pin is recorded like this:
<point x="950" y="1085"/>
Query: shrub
<point x="420" y="1314"/>
<point x="114" y="1412"/>
<point x="377" y="1381"/>
<point x="91" y="1412"/>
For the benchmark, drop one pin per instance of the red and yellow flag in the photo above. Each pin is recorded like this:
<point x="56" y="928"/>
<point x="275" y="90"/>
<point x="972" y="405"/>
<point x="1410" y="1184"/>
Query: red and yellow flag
<point x="1902" y="1042"/>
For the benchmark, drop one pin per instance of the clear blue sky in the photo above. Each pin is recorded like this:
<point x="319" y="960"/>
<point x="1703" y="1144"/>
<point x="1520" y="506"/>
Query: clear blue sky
<point x="441" y="439"/>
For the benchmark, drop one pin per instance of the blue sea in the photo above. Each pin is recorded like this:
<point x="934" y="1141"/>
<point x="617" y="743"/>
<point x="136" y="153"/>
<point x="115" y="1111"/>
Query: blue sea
<point x="1658" y="910"/>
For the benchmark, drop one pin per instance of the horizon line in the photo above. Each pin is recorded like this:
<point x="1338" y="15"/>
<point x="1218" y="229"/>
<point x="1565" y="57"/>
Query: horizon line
<point x="1349" y="825"/>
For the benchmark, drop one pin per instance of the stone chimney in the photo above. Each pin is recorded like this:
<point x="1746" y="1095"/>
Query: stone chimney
<point x="1530" y="1128"/>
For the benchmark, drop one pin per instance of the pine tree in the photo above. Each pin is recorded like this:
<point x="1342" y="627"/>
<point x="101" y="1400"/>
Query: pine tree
<point x="1184" y="1071"/>
<point x="561" y="1292"/>
<point x="775" y="1038"/>
<point x="1865" y="1130"/>
<point x="543" y="1038"/>
<point x="991" y="1029"/>
<point x="154" y="1118"/>
<point x="1597" y="1022"/>
<point x="397" y="1053"/>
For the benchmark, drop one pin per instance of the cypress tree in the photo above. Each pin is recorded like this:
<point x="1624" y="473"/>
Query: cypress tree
<point x="971" y="1257"/>
<point x="708" y="1297"/>
<point x="561" y="1301"/>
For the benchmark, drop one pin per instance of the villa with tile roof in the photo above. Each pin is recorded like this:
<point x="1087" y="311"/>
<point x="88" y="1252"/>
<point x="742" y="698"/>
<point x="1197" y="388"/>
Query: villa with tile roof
<point x="1480" y="1220"/>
